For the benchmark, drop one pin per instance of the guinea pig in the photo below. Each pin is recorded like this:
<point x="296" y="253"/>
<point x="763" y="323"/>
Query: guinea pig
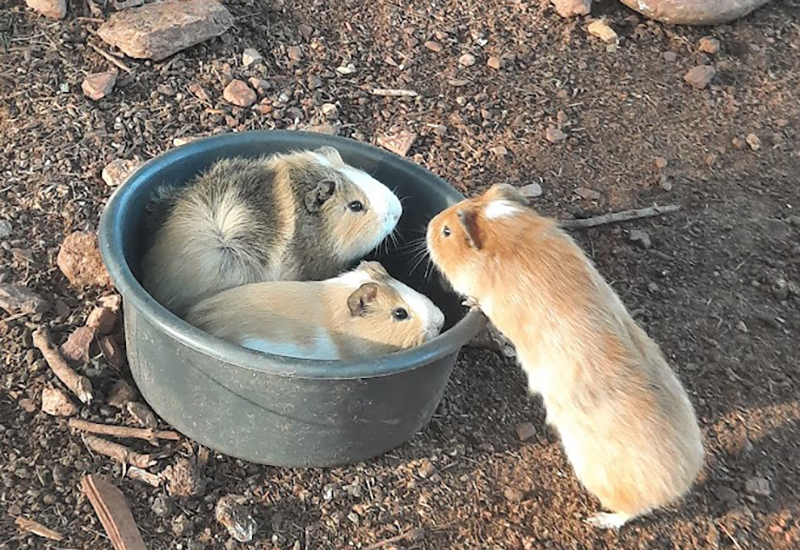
<point x="299" y="216"/>
<point x="360" y="313"/>
<point x="624" y="419"/>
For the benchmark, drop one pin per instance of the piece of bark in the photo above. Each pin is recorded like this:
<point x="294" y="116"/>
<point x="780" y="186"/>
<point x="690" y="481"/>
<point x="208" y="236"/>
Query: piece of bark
<point x="111" y="507"/>
<point x="120" y="453"/>
<point x="76" y="383"/>
<point x="122" y="431"/>
<point x="18" y="299"/>
<point x="37" y="529"/>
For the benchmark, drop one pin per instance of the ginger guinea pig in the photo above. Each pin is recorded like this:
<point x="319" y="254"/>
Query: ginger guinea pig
<point x="360" y="313"/>
<point x="626" y="423"/>
<point x="299" y="216"/>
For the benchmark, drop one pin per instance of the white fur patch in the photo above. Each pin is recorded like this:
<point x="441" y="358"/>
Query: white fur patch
<point x="431" y="316"/>
<point x="499" y="209"/>
<point x="323" y="160"/>
<point x="383" y="202"/>
<point x="322" y="347"/>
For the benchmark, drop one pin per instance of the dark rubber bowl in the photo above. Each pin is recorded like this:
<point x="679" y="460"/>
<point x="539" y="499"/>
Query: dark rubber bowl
<point x="268" y="408"/>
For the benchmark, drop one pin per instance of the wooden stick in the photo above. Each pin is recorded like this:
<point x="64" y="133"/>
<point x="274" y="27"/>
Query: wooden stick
<point x="37" y="529"/>
<point x="122" y="431"/>
<point x="118" y="452"/>
<point x="111" y="58"/>
<point x="388" y="92"/>
<point x="114" y="512"/>
<point x="77" y="383"/>
<point x="145" y="476"/>
<point x="412" y="534"/>
<point x="623" y="216"/>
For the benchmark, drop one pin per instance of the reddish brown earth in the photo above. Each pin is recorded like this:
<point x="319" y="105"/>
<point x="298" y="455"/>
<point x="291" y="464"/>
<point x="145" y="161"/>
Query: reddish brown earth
<point x="713" y="289"/>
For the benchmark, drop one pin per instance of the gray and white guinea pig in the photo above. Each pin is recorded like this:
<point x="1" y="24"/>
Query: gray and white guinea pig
<point x="358" y="314"/>
<point x="304" y="215"/>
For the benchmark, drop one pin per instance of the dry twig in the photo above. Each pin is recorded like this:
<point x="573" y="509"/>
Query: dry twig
<point x="388" y="92"/>
<point x="37" y="529"/>
<point x="112" y="59"/>
<point x="120" y="453"/>
<point x="77" y="383"/>
<point x="122" y="431"/>
<point x="145" y="476"/>
<point x="623" y="216"/>
<point x="412" y="534"/>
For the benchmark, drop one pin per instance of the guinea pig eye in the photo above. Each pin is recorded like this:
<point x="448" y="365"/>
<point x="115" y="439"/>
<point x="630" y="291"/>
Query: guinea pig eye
<point x="446" y="231"/>
<point x="356" y="206"/>
<point x="400" y="314"/>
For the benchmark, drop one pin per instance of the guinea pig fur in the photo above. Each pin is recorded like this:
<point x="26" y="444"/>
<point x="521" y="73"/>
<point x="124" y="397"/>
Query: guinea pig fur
<point x="361" y="313"/>
<point x="626" y="423"/>
<point x="300" y="216"/>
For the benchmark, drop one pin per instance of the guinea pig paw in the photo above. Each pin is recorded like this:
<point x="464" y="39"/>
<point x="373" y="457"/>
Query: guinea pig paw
<point x="471" y="303"/>
<point x="604" y="520"/>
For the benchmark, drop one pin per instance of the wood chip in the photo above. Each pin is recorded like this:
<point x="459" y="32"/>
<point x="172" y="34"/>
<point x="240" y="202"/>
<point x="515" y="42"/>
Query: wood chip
<point x="37" y="529"/>
<point x="111" y="507"/>
<point x="399" y="143"/>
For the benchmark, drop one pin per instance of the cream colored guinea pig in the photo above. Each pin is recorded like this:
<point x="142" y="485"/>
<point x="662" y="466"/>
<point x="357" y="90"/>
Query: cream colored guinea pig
<point x="625" y="421"/>
<point x="298" y="216"/>
<point x="361" y="313"/>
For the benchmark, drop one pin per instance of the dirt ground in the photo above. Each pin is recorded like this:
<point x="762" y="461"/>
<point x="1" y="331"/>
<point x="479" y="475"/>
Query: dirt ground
<point x="717" y="288"/>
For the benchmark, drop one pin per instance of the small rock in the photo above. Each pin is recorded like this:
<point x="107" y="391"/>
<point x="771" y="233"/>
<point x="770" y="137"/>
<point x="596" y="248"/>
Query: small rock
<point x="199" y="92"/>
<point x="346" y="69"/>
<point x="494" y="63"/>
<point x="660" y="162"/>
<point x="117" y="171"/>
<point x="670" y="57"/>
<point x="399" y="143"/>
<point x="121" y="394"/>
<point x="466" y="60"/>
<point x="56" y="402"/>
<point x="525" y="431"/>
<point x="601" y="30"/>
<point x="710" y="159"/>
<point x="235" y="516"/>
<point x="708" y="45"/>
<point x="142" y="414"/>
<point x="639" y="237"/>
<point x="665" y="183"/>
<point x="55" y="9"/>
<point x="531" y="191"/>
<point x="513" y="495"/>
<point x="5" y="229"/>
<point x="699" y="77"/>
<point x="112" y="302"/>
<point x="78" y="345"/>
<point x="250" y="56"/>
<point x="260" y="85"/>
<point x="102" y="320"/>
<point x="295" y="53"/>
<point x="27" y="405"/>
<point x="181" y="526"/>
<point x="572" y="8"/>
<point x="239" y="93"/>
<point x="184" y="479"/>
<point x="433" y="46"/>
<point x="80" y="261"/>
<point x="587" y="194"/>
<point x="738" y="142"/>
<point x="305" y="31"/>
<point x="741" y="327"/>
<point x="162" y="506"/>
<point x="554" y="135"/>
<point x="96" y="86"/>
<point x="425" y="469"/>
<point x="652" y="287"/>
<point x="159" y="30"/>
<point x="794" y="220"/>
<point x="753" y="141"/>
<point x="499" y="150"/>
<point x="18" y="299"/>
<point x="758" y="486"/>
<point x="112" y="352"/>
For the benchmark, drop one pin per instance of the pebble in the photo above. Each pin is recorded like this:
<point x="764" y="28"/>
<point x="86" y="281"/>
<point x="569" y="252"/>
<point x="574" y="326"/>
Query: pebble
<point x="640" y="238"/>
<point x="56" y="402"/>
<point x="554" y="135"/>
<point x="758" y="486"/>
<point x="250" y="56"/>
<point x="660" y="162"/>
<point x="601" y="30"/>
<point x="162" y="506"/>
<point x="726" y="494"/>
<point x="433" y="46"/>
<point x="531" y="191"/>
<point x="199" y="92"/>
<point x="466" y="60"/>
<point x="329" y="110"/>
<point x="80" y="261"/>
<point x="159" y="30"/>
<point x="587" y="194"/>
<point x="5" y="229"/>
<point x="239" y="93"/>
<point x="494" y="63"/>
<point x="96" y="86"/>
<point x="708" y="45"/>
<point x="235" y="516"/>
<point x="27" y="405"/>
<point x="295" y="53"/>
<point x="181" y="526"/>
<point x="142" y="414"/>
<point x="120" y="394"/>
<point x="112" y="352"/>
<point x="18" y="299"/>
<point x="670" y="57"/>
<point x="305" y="31"/>
<point x="55" y="9"/>
<point x="525" y="431"/>
<point x="572" y="8"/>
<point x="738" y="142"/>
<point x="425" y="469"/>
<point x="77" y="347"/>
<point x="741" y="327"/>
<point x="102" y="319"/>
<point x="117" y="171"/>
<point x="513" y="495"/>
<point x="753" y="141"/>
<point x="699" y="77"/>
<point x="794" y="220"/>
<point x="399" y="143"/>
<point x="346" y="69"/>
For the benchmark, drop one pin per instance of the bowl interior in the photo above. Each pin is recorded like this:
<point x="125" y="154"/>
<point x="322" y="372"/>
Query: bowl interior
<point x="422" y="193"/>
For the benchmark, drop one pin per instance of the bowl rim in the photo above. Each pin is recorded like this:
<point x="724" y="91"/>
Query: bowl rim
<point x="112" y="252"/>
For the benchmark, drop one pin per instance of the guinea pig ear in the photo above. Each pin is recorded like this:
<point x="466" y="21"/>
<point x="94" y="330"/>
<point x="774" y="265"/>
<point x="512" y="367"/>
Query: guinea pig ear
<point x="468" y="221"/>
<point x="317" y="196"/>
<point x="375" y="269"/>
<point x="331" y="154"/>
<point x="359" y="301"/>
<point x="505" y="191"/>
